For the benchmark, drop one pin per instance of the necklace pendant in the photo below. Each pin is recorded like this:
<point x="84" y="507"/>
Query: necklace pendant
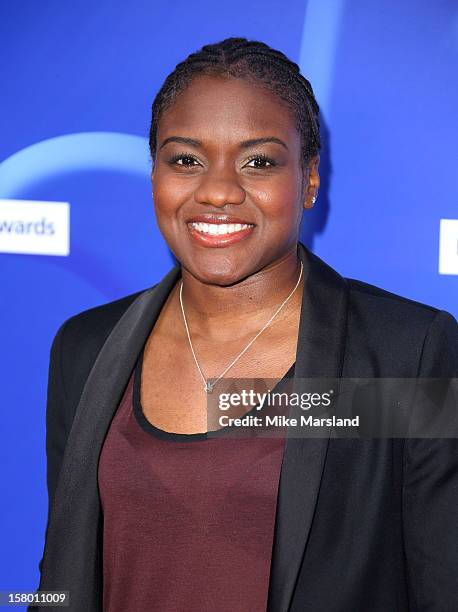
<point x="208" y="387"/>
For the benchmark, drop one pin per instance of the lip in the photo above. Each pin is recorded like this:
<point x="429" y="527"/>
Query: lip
<point x="213" y="218"/>
<point x="216" y="240"/>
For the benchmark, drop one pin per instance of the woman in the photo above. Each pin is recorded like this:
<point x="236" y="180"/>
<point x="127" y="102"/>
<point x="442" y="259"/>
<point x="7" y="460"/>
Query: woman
<point x="147" y="512"/>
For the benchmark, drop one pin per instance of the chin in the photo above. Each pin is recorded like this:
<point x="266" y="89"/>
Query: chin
<point x="223" y="273"/>
<point x="222" y="266"/>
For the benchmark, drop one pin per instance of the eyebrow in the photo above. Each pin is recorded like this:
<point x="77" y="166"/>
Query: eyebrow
<point x="245" y="144"/>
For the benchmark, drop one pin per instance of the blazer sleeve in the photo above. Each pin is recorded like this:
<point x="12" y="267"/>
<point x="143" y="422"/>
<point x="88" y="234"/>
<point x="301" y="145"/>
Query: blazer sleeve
<point x="57" y="426"/>
<point x="430" y="490"/>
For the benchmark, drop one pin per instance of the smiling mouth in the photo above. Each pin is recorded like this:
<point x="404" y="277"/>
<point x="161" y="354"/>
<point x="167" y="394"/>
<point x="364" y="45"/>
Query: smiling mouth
<point x="220" y="229"/>
<point x="219" y="235"/>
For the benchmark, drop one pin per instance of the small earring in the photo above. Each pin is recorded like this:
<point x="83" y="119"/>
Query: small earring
<point x="313" y="200"/>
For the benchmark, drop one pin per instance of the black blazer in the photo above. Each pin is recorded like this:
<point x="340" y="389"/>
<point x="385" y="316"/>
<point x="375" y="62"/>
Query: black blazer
<point x="361" y="525"/>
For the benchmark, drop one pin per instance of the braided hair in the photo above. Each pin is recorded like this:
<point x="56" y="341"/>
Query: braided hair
<point x="253" y="61"/>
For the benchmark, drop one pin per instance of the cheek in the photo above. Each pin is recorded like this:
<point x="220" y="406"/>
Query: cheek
<point x="165" y="200"/>
<point x="169" y="193"/>
<point x="165" y="208"/>
<point x="280" y="202"/>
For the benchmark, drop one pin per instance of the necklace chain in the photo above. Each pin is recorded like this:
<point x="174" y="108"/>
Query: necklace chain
<point x="209" y="386"/>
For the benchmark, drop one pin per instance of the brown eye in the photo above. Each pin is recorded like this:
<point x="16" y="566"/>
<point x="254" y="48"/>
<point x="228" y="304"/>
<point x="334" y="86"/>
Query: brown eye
<point x="185" y="158"/>
<point x="262" y="161"/>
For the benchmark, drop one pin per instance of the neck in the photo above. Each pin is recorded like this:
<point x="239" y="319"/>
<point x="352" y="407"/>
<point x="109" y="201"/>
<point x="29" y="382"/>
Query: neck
<point x="216" y="311"/>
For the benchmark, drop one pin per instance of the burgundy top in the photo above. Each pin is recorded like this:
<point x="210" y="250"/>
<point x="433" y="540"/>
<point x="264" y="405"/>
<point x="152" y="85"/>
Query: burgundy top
<point x="188" y="519"/>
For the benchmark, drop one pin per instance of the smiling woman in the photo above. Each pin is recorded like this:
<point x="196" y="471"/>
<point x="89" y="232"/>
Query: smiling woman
<point x="149" y="507"/>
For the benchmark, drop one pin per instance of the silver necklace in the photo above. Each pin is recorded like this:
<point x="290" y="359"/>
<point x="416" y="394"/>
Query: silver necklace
<point x="208" y="386"/>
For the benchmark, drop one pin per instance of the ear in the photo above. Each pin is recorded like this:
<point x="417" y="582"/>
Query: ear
<point x="311" y="181"/>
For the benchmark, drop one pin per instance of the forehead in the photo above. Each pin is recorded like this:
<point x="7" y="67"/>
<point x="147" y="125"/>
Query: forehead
<point x="227" y="110"/>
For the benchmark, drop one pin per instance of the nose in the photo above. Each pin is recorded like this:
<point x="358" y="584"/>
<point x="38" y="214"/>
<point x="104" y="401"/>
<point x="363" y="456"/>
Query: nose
<point x="219" y="187"/>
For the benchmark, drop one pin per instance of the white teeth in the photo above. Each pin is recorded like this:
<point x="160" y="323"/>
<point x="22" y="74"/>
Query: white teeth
<point x="220" y="228"/>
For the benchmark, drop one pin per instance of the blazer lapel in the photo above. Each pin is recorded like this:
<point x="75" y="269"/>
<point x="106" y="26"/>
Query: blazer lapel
<point x="72" y="556"/>
<point x="320" y="353"/>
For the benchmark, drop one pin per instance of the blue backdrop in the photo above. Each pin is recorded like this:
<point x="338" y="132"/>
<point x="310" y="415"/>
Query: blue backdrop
<point x="78" y="80"/>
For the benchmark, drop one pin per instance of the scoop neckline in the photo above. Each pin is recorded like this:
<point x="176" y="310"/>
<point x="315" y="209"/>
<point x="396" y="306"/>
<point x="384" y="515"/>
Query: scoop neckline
<point x="162" y="434"/>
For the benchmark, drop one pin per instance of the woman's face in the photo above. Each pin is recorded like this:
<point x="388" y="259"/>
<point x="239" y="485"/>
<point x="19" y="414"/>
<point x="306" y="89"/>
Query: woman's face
<point x="228" y="185"/>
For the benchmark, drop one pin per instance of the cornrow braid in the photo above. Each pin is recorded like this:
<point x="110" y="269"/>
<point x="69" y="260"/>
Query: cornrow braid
<point x="253" y="61"/>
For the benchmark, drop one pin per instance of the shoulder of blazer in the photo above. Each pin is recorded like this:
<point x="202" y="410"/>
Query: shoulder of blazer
<point x="397" y="308"/>
<point x="409" y="330"/>
<point x="82" y="337"/>
<point x="360" y="288"/>
<point x="375" y="307"/>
